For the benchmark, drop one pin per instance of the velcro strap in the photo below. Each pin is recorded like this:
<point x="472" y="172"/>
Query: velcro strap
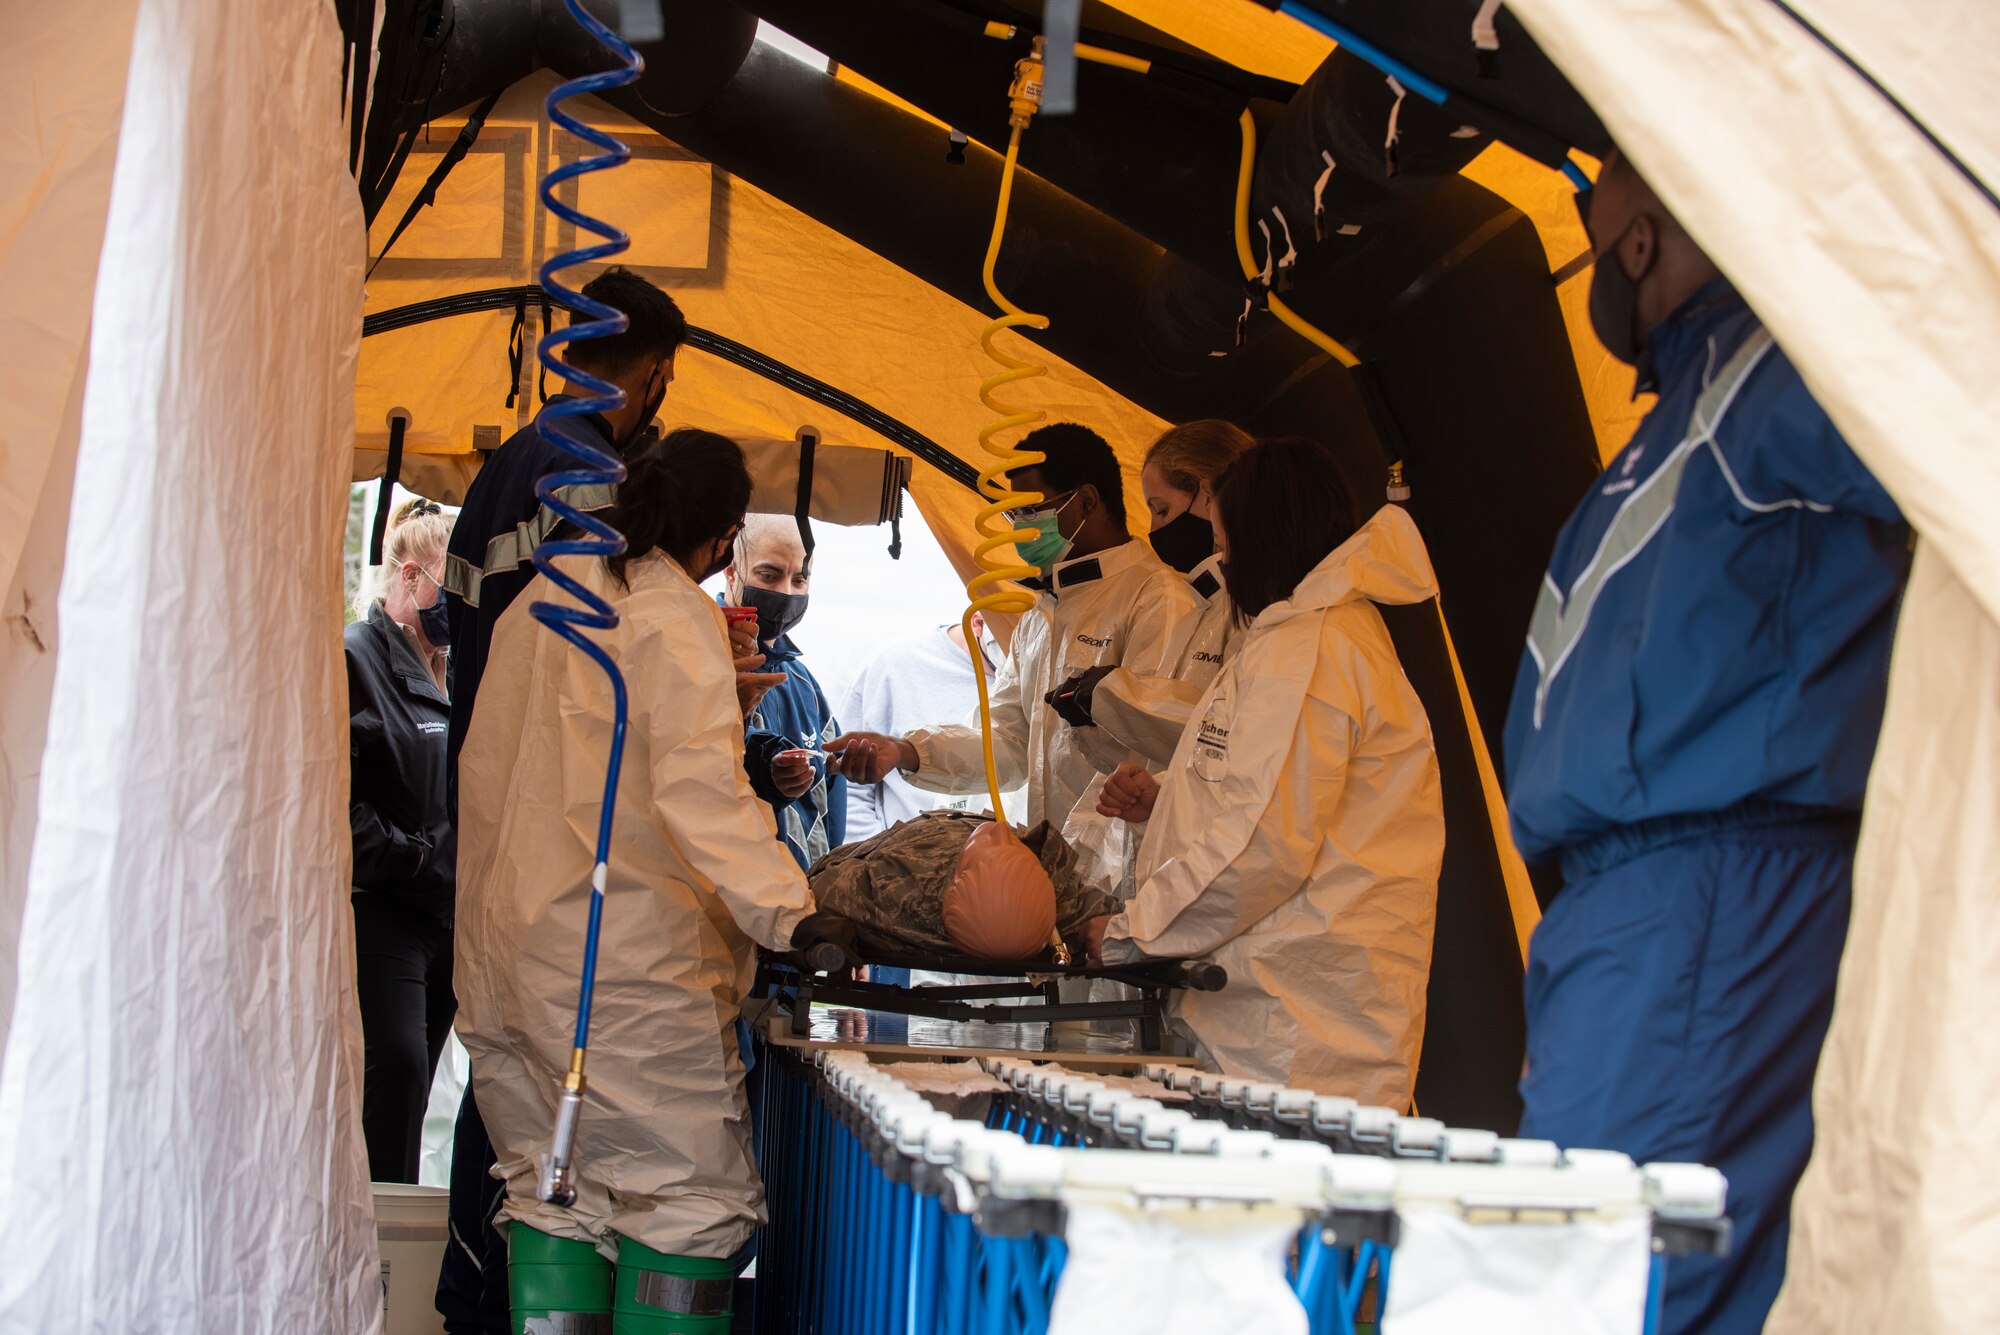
<point x="568" y="1323"/>
<point x="684" y="1294"/>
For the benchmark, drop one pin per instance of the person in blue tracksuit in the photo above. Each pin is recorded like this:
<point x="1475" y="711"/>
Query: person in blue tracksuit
<point x="770" y="572"/>
<point x="1690" y="737"/>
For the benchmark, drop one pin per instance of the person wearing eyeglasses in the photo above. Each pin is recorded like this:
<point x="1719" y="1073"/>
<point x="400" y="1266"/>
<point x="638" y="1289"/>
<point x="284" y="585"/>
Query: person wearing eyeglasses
<point x="398" y="714"/>
<point x="1102" y="597"/>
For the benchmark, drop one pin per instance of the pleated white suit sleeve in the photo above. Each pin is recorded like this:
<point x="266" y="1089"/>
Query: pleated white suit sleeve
<point x="687" y="704"/>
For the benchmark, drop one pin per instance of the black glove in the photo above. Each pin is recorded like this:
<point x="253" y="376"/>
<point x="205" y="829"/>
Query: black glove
<point x="1071" y="700"/>
<point x="827" y="943"/>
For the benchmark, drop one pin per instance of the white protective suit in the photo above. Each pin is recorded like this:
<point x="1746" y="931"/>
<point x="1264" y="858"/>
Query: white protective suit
<point x="696" y="875"/>
<point x="1136" y="712"/>
<point x="1298" y="834"/>
<point x="1124" y="605"/>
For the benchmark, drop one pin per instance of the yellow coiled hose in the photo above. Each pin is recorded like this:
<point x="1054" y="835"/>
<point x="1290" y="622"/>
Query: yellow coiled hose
<point x="992" y="590"/>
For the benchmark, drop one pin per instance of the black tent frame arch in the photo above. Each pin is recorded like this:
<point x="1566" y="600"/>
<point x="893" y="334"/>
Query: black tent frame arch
<point x="714" y="344"/>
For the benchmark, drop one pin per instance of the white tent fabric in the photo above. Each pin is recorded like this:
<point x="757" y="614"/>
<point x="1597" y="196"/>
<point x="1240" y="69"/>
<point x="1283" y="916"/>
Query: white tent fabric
<point x="180" y="1096"/>
<point x="62" y="88"/>
<point x="1895" y="1226"/>
<point x="1876" y="263"/>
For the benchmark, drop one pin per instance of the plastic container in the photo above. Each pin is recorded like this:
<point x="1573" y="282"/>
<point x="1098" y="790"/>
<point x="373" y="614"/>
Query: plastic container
<point x="412" y="1225"/>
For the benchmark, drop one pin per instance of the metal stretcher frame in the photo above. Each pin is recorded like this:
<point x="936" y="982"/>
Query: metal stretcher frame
<point x="794" y="982"/>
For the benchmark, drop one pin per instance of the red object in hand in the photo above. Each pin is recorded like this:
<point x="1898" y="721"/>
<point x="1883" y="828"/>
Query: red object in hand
<point x="734" y="614"/>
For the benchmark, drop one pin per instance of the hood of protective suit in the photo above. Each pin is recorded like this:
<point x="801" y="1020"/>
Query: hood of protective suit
<point x="1000" y="904"/>
<point x="1297" y="838"/>
<point x="1384" y="562"/>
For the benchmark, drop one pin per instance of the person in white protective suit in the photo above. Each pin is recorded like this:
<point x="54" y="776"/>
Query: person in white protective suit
<point x="664" y="1174"/>
<point x="1118" y="708"/>
<point x="1297" y="835"/>
<point x="1103" y="598"/>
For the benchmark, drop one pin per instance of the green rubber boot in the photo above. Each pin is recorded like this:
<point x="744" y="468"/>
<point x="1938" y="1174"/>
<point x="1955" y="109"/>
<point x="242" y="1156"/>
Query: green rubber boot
<point x="556" y="1286"/>
<point x="671" y="1295"/>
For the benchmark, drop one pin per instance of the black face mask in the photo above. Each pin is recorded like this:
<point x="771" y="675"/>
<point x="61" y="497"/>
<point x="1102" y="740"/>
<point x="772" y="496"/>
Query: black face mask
<point x="718" y="565"/>
<point x="1614" y="303"/>
<point x="1184" y="541"/>
<point x="435" y="623"/>
<point x="776" y="612"/>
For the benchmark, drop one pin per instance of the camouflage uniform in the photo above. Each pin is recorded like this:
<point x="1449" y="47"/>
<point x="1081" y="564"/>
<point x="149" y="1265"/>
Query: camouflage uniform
<point x="891" y="887"/>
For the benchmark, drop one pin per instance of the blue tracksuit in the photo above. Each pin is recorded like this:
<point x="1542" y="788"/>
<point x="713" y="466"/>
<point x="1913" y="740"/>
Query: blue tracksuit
<point x="796" y="714"/>
<point x="1690" y="733"/>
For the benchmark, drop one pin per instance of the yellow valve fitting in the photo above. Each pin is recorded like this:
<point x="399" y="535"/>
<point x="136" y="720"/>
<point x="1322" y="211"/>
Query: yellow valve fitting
<point x="1024" y="96"/>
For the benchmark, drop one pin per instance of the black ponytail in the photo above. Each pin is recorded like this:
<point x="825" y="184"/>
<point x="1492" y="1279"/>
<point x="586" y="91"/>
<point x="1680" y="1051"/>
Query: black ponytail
<point x="679" y="493"/>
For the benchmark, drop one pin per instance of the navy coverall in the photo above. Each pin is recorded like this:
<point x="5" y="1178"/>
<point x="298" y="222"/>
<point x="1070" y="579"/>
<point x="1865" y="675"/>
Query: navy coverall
<point x="1690" y="734"/>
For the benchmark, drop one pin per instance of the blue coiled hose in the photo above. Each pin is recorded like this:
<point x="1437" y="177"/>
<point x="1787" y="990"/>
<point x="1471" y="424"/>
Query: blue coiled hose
<point x="597" y="467"/>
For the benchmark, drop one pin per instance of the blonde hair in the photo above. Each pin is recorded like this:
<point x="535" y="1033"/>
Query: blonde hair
<point x="1196" y="452"/>
<point x="418" y="531"/>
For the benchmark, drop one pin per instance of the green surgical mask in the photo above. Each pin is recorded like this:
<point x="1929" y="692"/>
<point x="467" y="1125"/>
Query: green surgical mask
<point x="1049" y="545"/>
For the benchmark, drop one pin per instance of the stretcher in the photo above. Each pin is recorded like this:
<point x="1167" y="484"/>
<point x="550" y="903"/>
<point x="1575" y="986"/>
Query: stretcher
<point x="1026" y="991"/>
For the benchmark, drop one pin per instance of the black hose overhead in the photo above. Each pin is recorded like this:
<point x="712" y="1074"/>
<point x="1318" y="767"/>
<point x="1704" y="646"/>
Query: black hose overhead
<point x="703" y="340"/>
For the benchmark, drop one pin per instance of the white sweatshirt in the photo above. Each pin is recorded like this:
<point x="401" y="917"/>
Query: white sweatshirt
<point x="908" y="684"/>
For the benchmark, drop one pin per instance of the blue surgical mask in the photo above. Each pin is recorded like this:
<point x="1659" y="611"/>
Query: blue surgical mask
<point x="1049" y="546"/>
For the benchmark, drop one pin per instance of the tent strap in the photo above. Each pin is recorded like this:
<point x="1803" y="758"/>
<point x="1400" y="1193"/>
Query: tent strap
<point x="391" y="469"/>
<point x="802" y="511"/>
<point x="467" y="135"/>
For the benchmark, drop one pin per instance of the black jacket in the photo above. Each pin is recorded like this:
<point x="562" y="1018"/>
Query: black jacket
<point x="404" y="845"/>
